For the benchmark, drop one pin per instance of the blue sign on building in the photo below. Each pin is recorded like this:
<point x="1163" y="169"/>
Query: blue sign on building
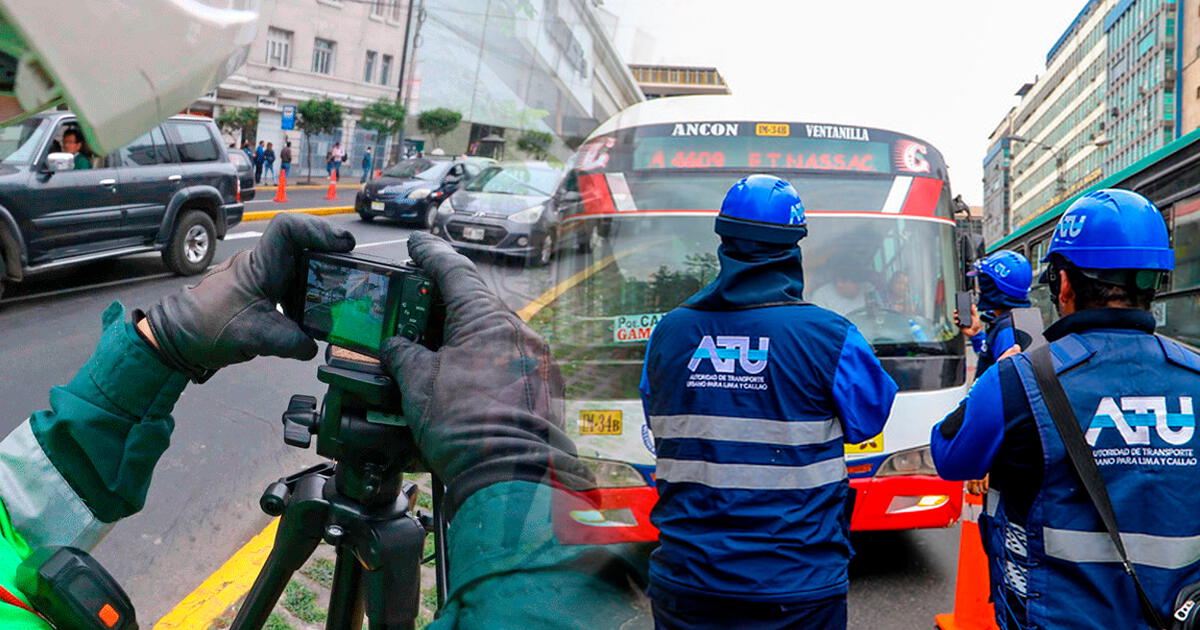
<point x="288" y="122"/>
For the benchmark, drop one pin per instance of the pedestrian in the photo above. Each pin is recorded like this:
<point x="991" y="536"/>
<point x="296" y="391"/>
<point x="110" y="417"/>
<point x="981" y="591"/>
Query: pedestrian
<point x="248" y="151"/>
<point x="1052" y="561"/>
<point x="269" y="163"/>
<point x="1004" y="279"/>
<point x="285" y="158"/>
<point x="329" y="163"/>
<point x="258" y="162"/>
<point x="367" y="163"/>
<point x="750" y="393"/>
<point x="337" y="155"/>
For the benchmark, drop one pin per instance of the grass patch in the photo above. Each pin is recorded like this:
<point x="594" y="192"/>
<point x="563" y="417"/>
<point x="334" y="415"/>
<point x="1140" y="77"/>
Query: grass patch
<point x="320" y="570"/>
<point x="277" y="622"/>
<point x="301" y="601"/>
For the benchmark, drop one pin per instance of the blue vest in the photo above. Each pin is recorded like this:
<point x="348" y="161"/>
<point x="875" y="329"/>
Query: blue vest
<point x="1132" y="392"/>
<point x="750" y="470"/>
<point x="991" y="345"/>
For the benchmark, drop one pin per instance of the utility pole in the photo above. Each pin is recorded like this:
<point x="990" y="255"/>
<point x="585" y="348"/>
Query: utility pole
<point x="402" y="94"/>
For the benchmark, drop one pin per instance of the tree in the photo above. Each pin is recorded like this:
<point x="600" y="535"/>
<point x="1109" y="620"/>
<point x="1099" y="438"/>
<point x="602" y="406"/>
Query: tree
<point x="385" y="118"/>
<point x="239" y="119"/>
<point x="535" y="143"/>
<point x="317" y="116"/>
<point x="438" y="122"/>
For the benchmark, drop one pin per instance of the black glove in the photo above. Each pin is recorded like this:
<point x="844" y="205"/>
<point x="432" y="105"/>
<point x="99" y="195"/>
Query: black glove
<point x="487" y="406"/>
<point x="230" y="316"/>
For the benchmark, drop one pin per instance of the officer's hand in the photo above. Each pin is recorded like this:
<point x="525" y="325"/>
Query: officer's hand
<point x="978" y="487"/>
<point x="230" y="316"/>
<point x="1011" y="352"/>
<point x="976" y="323"/>
<point x="487" y="406"/>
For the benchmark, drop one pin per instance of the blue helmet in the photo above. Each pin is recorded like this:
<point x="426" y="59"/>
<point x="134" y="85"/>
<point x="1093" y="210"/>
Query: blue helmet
<point x="762" y="208"/>
<point x="1113" y="229"/>
<point x="1009" y="270"/>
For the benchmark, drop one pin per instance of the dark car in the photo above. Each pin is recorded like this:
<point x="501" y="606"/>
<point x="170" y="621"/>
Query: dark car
<point x="411" y="190"/>
<point x="503" y="211"/>
<point x="245" y="172"/>
<point x="173" y="190"/>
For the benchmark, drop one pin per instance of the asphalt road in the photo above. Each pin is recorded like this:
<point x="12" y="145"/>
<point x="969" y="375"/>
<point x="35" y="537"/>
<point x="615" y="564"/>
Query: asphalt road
<point x="227" y="446"/>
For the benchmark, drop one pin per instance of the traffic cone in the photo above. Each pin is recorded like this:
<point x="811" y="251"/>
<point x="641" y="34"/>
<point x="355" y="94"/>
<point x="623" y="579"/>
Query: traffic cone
<point x="281" y="189"/>
<point x="332" y="194"/>
<point x="972" y="610"/>
<point x="378" y="173"/>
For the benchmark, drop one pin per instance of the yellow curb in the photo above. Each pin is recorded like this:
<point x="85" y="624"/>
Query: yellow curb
<point x="223" y="588"/>
<point x="261" y="215"/>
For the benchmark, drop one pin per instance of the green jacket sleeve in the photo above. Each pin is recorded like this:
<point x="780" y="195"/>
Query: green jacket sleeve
<point x="87" y="460"/>
<point x="509" y="570"/>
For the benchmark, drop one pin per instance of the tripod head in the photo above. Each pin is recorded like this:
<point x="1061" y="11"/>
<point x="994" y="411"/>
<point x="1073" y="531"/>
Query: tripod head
<point x="359" y="425"/>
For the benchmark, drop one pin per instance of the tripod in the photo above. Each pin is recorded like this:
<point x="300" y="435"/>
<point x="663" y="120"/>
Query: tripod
<point x="359" y="503"/>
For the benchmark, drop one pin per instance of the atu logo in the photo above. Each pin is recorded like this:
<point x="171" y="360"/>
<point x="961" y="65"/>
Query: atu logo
<point x="1143" y="412"/>
<point x="911" y="156"/>
<point x="727" y="351"/>
<point x="1070" y="226"/>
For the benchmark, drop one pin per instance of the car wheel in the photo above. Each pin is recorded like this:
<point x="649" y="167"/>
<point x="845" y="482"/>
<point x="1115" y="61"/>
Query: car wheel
<point x="544" y="254"/>
<point x="366" y="218"/>
<point x="192" y="245"/>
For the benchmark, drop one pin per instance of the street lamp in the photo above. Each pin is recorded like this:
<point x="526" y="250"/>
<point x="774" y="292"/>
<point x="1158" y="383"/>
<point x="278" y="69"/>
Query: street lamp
<point x="1060" y="186"/>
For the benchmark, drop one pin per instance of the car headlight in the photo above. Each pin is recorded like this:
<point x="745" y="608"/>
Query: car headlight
<point x="419" y="193"/>
<point x="528" y="215"/>
<point x="914" y="461"/>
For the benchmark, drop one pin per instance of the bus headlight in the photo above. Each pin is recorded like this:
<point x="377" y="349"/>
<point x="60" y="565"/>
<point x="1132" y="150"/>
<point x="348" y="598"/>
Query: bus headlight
<point x="613" y="474"/>
<point x="528" y="215"/>
<point x="914" y="461"/>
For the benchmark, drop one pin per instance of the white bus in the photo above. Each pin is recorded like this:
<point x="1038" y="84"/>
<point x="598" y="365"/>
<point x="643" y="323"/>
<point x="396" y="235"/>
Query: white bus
<point x="635" y="239"/>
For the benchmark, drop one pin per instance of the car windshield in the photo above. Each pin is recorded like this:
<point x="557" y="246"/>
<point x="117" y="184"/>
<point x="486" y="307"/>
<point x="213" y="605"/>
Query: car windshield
<point x="516" y="179"/>
<point x="419" y="168"/>
<point x="19" y="142"/>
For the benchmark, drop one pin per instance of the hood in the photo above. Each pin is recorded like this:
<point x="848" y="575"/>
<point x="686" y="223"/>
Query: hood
<point x="493" y="204"/>
<point x="753" y="274"/>
<point x="406" y="183"/>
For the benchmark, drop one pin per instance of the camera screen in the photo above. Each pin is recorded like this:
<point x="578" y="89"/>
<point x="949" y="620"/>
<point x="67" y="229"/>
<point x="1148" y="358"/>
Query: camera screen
<point x="346" y="305"/>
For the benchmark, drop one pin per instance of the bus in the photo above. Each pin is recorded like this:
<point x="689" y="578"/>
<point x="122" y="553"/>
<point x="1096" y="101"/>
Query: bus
<point x="1169" y="177"/>
<point x="635" y="239"/>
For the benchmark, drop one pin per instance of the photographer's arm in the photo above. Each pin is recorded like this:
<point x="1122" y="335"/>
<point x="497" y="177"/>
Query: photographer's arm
<point x="486" y="414"/>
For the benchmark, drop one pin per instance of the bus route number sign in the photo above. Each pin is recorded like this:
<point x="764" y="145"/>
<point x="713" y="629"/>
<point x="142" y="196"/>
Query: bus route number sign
<point x="773" y="129"/>
<point x="600" y="421"/>
<point x="631" y="328"/>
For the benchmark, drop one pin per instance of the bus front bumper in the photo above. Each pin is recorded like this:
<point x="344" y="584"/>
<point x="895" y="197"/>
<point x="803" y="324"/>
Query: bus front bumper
<point x="904" y="502"/>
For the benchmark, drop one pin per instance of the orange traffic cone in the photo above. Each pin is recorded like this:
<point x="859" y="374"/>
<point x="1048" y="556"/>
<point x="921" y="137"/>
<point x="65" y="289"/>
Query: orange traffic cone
<point x="972" y="610"/>
<point x="281" y="188"/>
<point x="378" y="173"/>
<point x="332" y="194"/>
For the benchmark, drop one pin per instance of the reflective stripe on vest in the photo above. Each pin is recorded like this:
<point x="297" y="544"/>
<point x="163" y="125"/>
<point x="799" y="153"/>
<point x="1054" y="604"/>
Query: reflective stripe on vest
<point x="1163" y="552"/>
<point x="752" y="476"/>
<point x="751" y="430"/>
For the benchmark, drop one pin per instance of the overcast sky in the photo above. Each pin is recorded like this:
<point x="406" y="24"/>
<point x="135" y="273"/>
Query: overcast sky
<point x="941" y="70"/>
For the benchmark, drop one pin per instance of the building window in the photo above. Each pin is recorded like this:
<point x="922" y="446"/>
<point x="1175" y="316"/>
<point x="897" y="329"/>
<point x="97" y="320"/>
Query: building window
<point x="369" y="66"/>
<point x="279" y="47"/>
<point x="385" y="71"/>
<point x="377" y="8"/>
<point x="396" y="10"/>
<point x="323" y="56"/>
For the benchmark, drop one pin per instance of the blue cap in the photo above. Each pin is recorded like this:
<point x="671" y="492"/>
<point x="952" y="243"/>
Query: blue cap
<point x="1009" y="270"/>
<point x="1113" y="229"/>
<point x="762" y="208"/>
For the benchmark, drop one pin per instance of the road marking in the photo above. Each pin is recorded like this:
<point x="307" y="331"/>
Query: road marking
<point x="229" y="583"/>
<point x="260" y="215"/>
<point x="102" y="285"/>
<point x="236" y="235"/>
<point x="223" y="588"/>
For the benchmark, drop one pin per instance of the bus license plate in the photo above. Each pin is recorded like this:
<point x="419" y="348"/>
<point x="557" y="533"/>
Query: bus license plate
<point x="873" y="445"/>
<point x="600" y="422"/>
<point x="377" y="205"/>
<point x="473" y="234"/>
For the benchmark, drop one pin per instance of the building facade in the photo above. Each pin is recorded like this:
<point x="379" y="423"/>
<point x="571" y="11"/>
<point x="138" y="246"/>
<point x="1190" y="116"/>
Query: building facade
<point x="1108" y="98"/>
<point x="513" y="66"/>
<point x="1189" y="65"/>
<point x="346" y="50"/>
<point x="657" y="81"/>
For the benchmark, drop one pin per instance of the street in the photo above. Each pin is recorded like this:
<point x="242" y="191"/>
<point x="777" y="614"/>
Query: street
<point x="227" y="445"/>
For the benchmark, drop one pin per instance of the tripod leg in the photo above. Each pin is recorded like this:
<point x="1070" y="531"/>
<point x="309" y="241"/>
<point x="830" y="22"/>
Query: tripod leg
<point x="300" y="529"/>
<point x="345" y="598"/>
<point x="393" y="584"/>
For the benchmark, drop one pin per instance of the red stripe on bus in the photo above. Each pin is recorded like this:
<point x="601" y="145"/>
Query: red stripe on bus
<point x="593" y="189"/>
<point x="922" y="197"/>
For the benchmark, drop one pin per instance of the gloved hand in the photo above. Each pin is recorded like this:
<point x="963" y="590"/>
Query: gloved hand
<point x="230" y="316"/>
<point x="487" y="406"/>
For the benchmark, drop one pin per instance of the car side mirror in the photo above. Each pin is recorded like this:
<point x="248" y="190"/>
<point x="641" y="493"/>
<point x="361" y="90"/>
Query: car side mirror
<point x="56" y="162"/>
<point x="570" y="196"/>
